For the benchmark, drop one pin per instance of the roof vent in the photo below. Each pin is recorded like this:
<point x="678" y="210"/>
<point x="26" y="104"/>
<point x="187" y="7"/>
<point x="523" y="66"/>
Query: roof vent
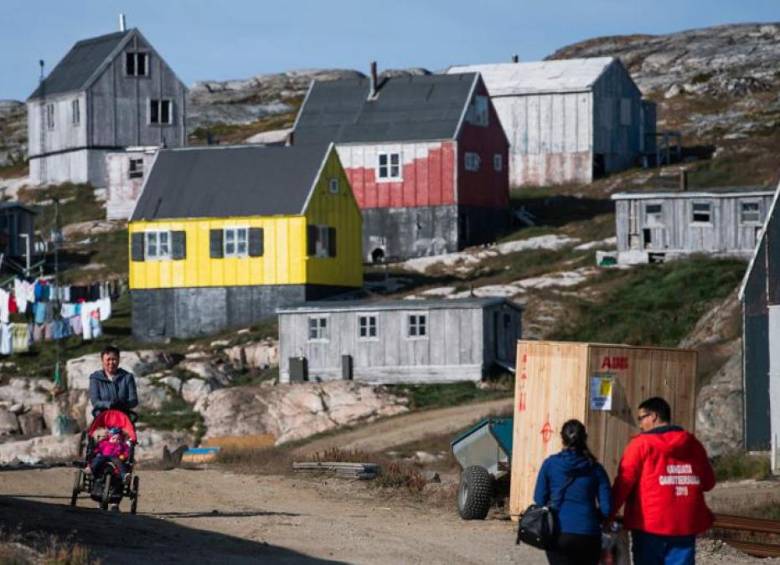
<point x="372" y="90"/>
<point x="515" y="58"/>
<point x="122" y="23"/>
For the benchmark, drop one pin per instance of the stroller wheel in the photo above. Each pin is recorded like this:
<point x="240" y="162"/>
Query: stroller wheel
<point x="106" y="492"/>
<point x="76" y="487"/>
<point x="134" y="495"/>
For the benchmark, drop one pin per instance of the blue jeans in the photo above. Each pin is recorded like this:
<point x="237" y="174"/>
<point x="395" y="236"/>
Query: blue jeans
<point x="652" y="549"/>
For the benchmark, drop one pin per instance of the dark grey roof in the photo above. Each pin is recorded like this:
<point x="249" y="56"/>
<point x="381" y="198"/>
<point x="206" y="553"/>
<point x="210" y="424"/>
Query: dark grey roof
<point x="371" y="305"/>
<point x="220" y="182"/>
<point x="79" y="64"/>
<point x="407" y="108"/>
<point x="10" y="205"/>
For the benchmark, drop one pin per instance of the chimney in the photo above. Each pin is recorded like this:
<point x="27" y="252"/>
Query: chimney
<point x="515" y="58"/>
<point x="373" y="81"/>
<point x="122" y="23"/>
<point x="683" y="180"/>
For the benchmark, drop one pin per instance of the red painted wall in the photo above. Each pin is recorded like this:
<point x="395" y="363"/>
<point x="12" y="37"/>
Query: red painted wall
<point x="427" y="178"/>
<point x="485" y="187"/>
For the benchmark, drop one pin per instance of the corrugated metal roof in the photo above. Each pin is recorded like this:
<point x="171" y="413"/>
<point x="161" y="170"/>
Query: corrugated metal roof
<point x="715" y="192"/>
<point x="79" y="64"/>
<point x="564" y="75"/>
<point x="221" y="182"/>
<point x="407" y="108"/>
<point x="322" y="306"/>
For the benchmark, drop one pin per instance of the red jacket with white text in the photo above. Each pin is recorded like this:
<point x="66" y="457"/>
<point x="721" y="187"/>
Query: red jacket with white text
<point x="662" y="478"/>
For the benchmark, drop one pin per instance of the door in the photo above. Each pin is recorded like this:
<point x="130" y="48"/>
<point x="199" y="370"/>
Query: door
<point x="774" y="385"/>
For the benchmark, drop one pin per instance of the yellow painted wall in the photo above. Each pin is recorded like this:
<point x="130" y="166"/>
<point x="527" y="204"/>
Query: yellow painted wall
<point x="342" y="212"/>
<point x="284" y="260"/>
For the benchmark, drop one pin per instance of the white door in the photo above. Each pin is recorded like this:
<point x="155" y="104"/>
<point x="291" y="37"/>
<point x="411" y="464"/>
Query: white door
<point x="774" y="384"/>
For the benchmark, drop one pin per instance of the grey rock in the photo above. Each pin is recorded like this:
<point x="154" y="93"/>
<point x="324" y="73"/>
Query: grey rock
<point x="9" y="425"/>
<point x="44" y="448"/>
<point x="150" y="396"/>
<point x="152" y="441"/>
<point x="194" y="390"/>
<point x="719" y="423"/>
<point x="256" y="354"/>
<point x="32" y="423"/>
<point x="140" y="363"/>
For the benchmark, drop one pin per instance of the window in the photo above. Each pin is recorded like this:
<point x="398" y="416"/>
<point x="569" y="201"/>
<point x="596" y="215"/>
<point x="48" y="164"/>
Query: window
<point x="389" y="166"/>
<point x="158" y="245"/>
<point x="498" y="162"/>
<point x="367" y="327"/>
<point x="702" y="212"/>
<point x="50" y="116"/>
<point x="417" y="325"/>
<point x="478" y="111"/>
<point x="160" y="112"/>
<point x="333" y="186"/>
<point x="321" y="241"/>
<point x="75" y="112"/>
<point x="625" y="111"/>
<point x="318" y="328"/>
<point x="471" y="161"/>
<point x="236" y="242"/>
<point x="136" y="170"/>
<point x="654" y="214"/>
<point x="750" y="213"/>
<point x="137" y="64"/>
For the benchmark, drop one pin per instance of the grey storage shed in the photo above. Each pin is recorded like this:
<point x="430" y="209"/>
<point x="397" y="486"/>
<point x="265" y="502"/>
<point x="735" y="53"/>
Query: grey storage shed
<point x="398" y="341"/>
<point x="17" y="229"/>
<point x="665" y="224"/>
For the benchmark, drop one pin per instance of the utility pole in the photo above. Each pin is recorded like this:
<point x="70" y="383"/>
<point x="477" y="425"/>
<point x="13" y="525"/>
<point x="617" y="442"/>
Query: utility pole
<point x="55" y="236"/>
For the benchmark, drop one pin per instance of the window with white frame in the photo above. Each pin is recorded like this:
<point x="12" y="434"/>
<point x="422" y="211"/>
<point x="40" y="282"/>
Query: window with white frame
<point x="235" y="241"/>
<point x="367" y="326"/>
<point x="498" y="162"/>
<point x="50" y="116"/>
<point x="160" y="111"/>
<point x="136" y="64"/>
<point x="471" y="161"/>
<point x="478" y="114"/>
<point x="318" y="328"/>
<point x="750" y="212"/>
<point x="389" y="166"/>
<point x="417" y="325"/>
<point x="157" y="244"/>
<point x="702" y="212"/>
<point x="75" y="112"/>
<point x="333" y="185"/>
<point x="654" y="214"/>
<point x="136" y="169"/>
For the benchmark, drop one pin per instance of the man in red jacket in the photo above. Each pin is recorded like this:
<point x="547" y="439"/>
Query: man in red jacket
<point x="662" y="478"/>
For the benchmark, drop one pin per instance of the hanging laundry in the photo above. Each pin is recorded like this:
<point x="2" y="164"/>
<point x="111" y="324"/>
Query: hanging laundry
<point x="39" y="312"/>
<point x="5" y="339"/>
<point x="20" y="337"/>
<point x="12" y="307"/>
<point x="104" y="305"/>
<point x="75" y="325"/>
<point x="94" y="322"/>
<point x="20" y="292"/>
<point x="38" y="332"/>
<point x="4" y="299"/>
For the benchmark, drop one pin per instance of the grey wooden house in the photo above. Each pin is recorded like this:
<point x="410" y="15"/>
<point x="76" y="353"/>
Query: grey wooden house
<point x="665" y="224"/>
<point x="398" y="341"/>
<point x="760" y="296"/>
<point x="17" y="229"/>
<point x="107" y="93"/>
<point x="569" y="120"/>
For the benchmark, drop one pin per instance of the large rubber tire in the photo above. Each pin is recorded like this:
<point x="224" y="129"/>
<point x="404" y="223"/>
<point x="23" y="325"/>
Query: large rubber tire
<point x="475" y="493"/>
<point x="77" y="481"/>
<point x="134" y="495"/>
<point x="106" y="498"/>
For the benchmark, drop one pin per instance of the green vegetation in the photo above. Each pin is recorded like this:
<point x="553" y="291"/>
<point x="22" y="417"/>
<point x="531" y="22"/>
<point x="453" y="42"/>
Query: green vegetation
<point x="442" y="395"/>
<point x="77" y="204"/>
<point x="739" y="465"/>
<point x="174" y="415"/>
<point x="653" y="304"/>
<point x="238" y="133"/>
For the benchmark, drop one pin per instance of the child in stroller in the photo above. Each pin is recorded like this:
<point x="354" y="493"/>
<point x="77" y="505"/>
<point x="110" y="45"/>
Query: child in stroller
<point x="107" y="471"/>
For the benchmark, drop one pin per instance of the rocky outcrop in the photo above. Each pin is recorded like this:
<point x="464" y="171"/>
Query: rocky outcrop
<point x="44" y="448"/>
<point x="255" y="355"/>
<point x="719" y="423"/>
<point x="139" y="363"/>
<point x="13" y="132"/>
<point x="291" y="412"/>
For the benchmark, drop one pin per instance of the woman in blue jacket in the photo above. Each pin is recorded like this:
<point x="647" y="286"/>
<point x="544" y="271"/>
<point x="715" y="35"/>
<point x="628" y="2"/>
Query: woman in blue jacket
<point x="578" y="487"/>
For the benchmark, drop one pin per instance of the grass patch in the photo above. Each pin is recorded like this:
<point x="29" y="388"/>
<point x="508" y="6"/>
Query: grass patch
<point x="175" y="415"/>
<point x="15" y="169"/>
<point x="77" y="204"/>
<point x="739" y="465"/>
<point x="428" y="396"/>
<point x="653" y="304"/>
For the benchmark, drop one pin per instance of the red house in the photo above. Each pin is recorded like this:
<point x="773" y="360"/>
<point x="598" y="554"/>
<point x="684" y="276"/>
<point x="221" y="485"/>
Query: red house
<point x="426" y="156"/>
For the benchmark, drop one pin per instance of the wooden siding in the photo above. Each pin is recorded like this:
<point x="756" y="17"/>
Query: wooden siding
<point x="455" y="349"/>
<point x="485" y="187"/>
<point x="65" y="134"/>
<point x="553" y="385"/>
<point x="428" y="175"/>
<point x="676" y="232"/>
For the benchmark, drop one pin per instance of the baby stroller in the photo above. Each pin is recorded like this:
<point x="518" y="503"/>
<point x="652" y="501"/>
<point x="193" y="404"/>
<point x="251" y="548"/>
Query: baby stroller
<point x="106" y="486"/>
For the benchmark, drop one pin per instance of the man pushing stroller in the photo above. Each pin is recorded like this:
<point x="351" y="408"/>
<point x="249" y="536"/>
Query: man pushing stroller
<point x="112" y="386"/>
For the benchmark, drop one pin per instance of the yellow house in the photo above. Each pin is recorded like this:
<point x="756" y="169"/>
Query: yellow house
<point x="222" y="236"/>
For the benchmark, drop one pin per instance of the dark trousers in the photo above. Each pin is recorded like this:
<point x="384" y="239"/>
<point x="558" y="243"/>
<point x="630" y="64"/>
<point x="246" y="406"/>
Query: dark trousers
<point x="100" y="460"/>
<point x="651" y="549"/>
<point x="575" y="549"/>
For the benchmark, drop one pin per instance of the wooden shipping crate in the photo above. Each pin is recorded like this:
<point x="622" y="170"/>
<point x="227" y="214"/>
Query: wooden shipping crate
<point x="600" y="385"/>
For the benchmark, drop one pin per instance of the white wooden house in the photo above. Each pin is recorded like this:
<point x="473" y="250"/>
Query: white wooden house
<point x="107" y="93"/>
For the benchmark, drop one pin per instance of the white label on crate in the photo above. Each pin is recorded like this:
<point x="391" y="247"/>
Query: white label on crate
<point x="601" y="385"/>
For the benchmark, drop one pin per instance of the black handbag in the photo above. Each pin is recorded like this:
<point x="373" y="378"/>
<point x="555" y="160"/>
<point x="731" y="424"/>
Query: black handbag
<point x="537" y="524"/>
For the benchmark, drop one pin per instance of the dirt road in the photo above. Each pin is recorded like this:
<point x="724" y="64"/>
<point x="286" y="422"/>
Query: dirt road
<point x="215" y="517"/>
<point x="392" y="432"/>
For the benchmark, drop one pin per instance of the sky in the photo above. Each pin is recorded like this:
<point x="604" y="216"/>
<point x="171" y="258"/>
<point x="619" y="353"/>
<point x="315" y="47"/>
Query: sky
<point x="236" y="39"/>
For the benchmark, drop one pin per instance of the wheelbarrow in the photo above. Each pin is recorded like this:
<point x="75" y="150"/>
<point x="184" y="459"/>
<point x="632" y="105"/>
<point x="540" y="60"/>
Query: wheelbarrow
<point x="484" y="453"/>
